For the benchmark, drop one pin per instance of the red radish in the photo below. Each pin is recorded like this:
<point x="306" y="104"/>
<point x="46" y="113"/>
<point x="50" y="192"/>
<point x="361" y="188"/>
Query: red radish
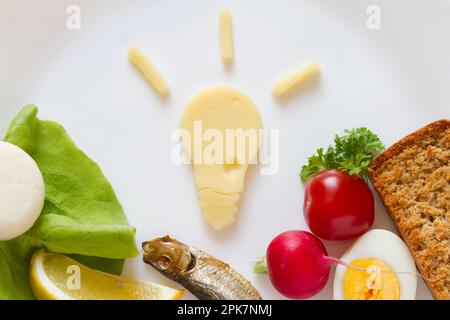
<point x="298" y="264"/>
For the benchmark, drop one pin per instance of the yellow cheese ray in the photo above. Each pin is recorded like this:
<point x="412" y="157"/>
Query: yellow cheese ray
<point x="226" y="36"/>
<point x="294" y="80"/>
<point x="138" y="58"/>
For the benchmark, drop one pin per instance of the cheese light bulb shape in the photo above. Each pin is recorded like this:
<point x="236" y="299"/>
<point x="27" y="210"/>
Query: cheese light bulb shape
<point x="223" y="140"/>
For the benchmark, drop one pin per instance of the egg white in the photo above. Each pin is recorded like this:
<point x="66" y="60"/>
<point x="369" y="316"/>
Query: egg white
<point x="388" y="247"/>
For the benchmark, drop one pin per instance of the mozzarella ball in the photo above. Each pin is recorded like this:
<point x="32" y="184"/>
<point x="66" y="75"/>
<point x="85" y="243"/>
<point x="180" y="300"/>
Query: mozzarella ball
<point x="22" y="191"/>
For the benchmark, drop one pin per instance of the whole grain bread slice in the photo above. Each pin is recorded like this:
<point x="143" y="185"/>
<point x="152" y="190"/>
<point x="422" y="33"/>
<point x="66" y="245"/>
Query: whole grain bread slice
<point x="412" y="178"/>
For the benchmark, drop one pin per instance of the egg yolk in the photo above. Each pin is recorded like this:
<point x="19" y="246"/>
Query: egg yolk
<point x="372" y="284"/>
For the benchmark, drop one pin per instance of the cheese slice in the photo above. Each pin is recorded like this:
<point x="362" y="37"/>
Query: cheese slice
<point x="22" y="191"/>
<point x="220" y="217"/>
<point x="211" y="198"/>
<point x="138" y="58"/>
<point x="296" y="79"/>
<point x="220" y="183"/>
<point x="226" y="36"/>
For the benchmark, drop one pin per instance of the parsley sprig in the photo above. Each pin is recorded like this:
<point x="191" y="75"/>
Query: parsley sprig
<point x="352" y="153"/>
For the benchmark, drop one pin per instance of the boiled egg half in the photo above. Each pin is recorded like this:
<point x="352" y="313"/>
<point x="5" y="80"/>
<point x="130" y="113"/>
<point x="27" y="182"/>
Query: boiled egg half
<point x="384" y="269"/>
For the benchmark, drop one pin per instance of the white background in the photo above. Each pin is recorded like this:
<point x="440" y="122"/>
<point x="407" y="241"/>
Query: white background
<point x="393" y="81"/>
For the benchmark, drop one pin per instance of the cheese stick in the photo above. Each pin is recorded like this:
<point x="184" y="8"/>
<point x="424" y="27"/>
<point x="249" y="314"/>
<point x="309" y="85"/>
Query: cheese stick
<point x="148" y="69"/>
<point x="296" y="79"/>
<point x="226" y="36"/>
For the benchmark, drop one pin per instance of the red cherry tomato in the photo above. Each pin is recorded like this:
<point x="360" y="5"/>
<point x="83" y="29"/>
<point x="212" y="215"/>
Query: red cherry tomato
<point x="338" y="206"/>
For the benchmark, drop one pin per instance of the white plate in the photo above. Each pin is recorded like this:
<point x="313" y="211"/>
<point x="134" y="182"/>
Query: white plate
<point x="393" y="80"/>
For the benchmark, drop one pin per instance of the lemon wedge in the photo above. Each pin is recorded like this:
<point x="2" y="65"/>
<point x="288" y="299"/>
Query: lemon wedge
<point x="57" y="277"/>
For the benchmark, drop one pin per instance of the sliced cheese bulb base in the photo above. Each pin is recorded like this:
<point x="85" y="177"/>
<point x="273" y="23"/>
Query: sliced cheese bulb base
<point x="221" y="111"/>
<point x="22" y="191"/>
<point x="218" y="208"/>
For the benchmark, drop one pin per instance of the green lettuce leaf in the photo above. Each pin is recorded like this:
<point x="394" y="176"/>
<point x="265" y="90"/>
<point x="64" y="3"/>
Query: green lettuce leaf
<point x="81" y="216"/>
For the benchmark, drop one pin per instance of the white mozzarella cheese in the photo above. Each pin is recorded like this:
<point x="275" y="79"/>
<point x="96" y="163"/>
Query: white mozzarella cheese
<point x="22" y="191"/>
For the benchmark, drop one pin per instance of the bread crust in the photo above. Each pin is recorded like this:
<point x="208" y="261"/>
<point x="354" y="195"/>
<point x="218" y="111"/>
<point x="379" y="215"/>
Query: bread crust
<point x="393" y="166"/>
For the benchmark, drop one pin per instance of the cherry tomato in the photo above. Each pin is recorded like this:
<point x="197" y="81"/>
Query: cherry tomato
<point x="337" y="205"/>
